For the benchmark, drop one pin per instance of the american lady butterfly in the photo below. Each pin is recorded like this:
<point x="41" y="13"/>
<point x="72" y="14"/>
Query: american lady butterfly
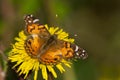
<point x="47" y="48"/>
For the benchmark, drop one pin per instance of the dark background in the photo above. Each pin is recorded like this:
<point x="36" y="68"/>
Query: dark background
<point x="96" y="23"/>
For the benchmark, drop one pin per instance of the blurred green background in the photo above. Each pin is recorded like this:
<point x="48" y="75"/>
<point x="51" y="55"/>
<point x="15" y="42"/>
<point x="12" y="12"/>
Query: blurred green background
<point x="96" y="23"/>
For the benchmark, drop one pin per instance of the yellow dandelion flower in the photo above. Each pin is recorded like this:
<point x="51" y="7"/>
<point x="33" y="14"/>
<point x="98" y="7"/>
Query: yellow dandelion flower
<point x="26" y="63"/>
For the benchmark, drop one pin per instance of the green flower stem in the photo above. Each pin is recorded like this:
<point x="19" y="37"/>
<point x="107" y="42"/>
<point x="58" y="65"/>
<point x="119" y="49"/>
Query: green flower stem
<point x="3" y="55"/>
<point x="50" y="76"/>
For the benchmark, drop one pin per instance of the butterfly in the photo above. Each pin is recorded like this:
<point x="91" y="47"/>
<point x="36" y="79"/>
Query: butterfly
<point x="47" y="48"/>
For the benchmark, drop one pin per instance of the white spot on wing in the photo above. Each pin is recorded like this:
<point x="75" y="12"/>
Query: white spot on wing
<point x="77" y="54"/>
<point x="83" y="51"/>
<point x="28" y="16"/>
<point x="29" y="21"/>
<point x="31" y="15"/>
<point x="76" y="48"/>
<point x="36" y="20"/>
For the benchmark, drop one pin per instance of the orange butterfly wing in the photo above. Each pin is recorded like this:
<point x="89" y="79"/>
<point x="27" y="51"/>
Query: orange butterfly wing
<point x="56" y="52"/>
